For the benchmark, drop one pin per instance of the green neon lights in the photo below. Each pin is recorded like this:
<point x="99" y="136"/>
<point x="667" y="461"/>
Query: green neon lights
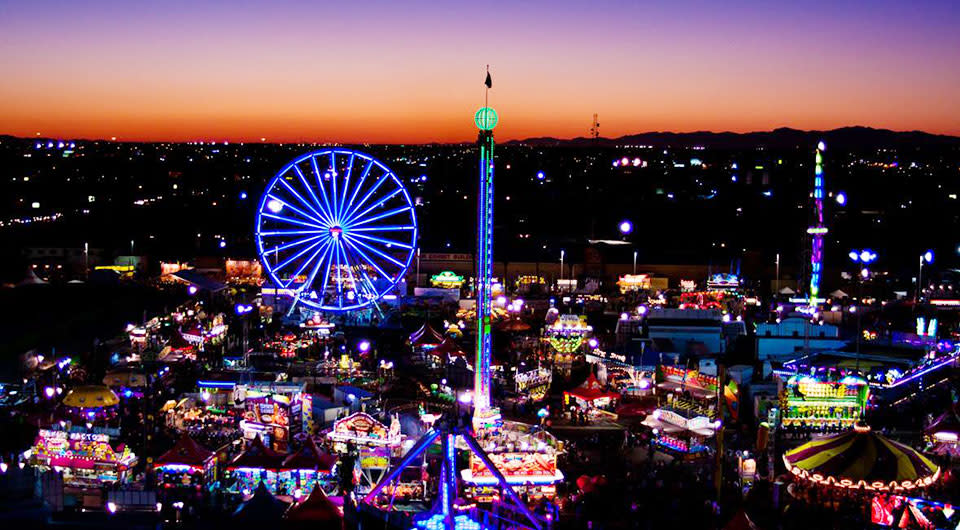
<point x="486" y="118"/>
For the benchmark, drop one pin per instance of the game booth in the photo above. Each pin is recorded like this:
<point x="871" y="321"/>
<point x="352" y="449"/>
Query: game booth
<point x="86" y="459"/>
<point x="524" y="454"/>
<point x="91" y="404"/>
<point x="376" y="442"/>
<point x="275" y="412"/>
<point x="306" y="468"/>
<point x="590" y="395"/>
<point x="826" y="400"/>
<point x="257" y="464"/>
<point x="687" y="415"/>
<point x="186" y="466"/>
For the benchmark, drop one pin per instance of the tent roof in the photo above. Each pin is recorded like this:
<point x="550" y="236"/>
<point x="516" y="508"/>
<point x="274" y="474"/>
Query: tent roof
<point x="262" y="507"/>
<point x="186" y="451"/>
<point x="193" y="277"/>
<point x="425" y="336"/>
<point x="309" y="456"/>
<point x="257" y="456"/>
<point x="787" y="290"/>
<point x="591" y="389"/>
<point x="861" y="458"/>
<point x="448" y="347"/>
<point x="90" y="396"/>
<point x="316" y="507"/>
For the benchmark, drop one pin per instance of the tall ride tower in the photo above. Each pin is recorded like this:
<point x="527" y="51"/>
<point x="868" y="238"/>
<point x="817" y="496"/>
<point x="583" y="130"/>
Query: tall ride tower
<point x="486" y="119"/>
<point x="817" y="230"/>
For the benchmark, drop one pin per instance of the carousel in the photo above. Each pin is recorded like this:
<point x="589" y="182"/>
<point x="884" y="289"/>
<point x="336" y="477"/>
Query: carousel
<point x="861" y="459"/>
<point x="943" y="434"/>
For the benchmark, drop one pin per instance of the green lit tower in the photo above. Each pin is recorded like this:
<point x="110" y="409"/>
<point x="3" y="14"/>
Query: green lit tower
<point x="486" y="120"/>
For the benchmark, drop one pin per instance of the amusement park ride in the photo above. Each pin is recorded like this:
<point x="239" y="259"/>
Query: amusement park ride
<point x="337" y="229"/>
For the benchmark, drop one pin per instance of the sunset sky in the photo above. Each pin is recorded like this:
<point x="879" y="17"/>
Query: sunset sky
<point x="412" y="71"/>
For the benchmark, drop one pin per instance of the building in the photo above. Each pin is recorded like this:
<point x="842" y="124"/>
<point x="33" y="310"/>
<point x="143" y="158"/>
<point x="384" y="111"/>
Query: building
<point x="781" y="341"/>
<point x="691" y="331"/>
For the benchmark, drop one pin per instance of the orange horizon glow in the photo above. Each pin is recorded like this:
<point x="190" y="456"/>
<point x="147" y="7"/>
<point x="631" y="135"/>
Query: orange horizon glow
<point x="412" y="73"/>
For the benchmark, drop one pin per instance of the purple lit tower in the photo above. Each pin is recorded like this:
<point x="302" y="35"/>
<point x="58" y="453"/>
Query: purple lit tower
<point x="818" y="230"/>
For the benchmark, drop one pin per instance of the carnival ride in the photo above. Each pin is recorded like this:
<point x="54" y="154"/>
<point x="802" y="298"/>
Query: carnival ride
<point x="338" y="227"/>
<point x="818" y="230"/>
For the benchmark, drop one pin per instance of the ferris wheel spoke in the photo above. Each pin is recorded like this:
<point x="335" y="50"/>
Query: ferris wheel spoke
<point x="303" y="180"/>
<point x="286" y="204"/>
<point x="291" y="232"/>
<point x="366" y="258"/>
<point x="376" y="205"/>
<point x="339" y="278"/>
<point x="323" y="190"/>
<point x="356" y="189"/>
<point x="305" y="264"/>
<point x="380" y="228"/>
<point x="384" y="215"/>
<point x="365" y="282"/>
<point x="313" y="273"/>
<point x="294" y="257"/>
<point x="346" y="186"/>
<point x="333" y="184"/>
<point x="274" y="250"/>
<point x="301" y="199"/>
<point x="383" y="255"/>
<point x="294" y="221"/>
<point x="373" y="189"/>
<point x="382" y="241"/>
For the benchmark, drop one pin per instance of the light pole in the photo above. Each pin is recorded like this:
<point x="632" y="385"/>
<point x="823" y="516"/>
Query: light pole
<point x="418" y="267"/>
<point x="562" y="254"/>
<point x="777" y="288"/>
<point x="634" y="262"/>
<point x="925" y="257"/>
<point x="863" y="257"/>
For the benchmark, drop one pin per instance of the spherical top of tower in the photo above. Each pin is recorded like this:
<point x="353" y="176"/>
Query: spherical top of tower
<point x="486" y="118"/>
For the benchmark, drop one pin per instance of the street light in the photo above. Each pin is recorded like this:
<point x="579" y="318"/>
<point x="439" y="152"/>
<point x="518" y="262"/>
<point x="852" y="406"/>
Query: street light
<point x="864" y="257"/>
<point x="626" y="227"/>
<point x="925" y="257"/>
<point x="562" y="254"/>
<point x="634" y="262"/>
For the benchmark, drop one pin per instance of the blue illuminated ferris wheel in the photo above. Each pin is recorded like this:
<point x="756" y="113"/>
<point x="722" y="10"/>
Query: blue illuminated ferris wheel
<point x="337" y="228"/>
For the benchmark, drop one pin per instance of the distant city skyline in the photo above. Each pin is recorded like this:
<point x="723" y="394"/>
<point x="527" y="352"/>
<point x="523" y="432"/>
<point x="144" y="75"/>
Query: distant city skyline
<point x="413" y="71"/>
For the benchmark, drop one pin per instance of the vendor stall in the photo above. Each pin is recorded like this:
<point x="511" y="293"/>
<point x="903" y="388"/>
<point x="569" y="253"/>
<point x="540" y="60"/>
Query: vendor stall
<point x="186" y="465"/>
<point x="306" y="468"/>
<point x="85" y="459"/>
<point x="257" y="464"/>
<point x="591" y="394"/>
<point x="818" y="401"/>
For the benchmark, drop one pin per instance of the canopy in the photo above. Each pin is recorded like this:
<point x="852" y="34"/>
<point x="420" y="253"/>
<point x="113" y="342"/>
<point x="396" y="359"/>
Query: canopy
<point x="945" y="428"/>
<point x="316" y="507"/>
<point x="90" y="397"/>
<point x="861" y="459"/>
<point x="257" y="456"/>
<point x="426" y="336"/>
<point x="127" y="378"/>
<point x="448" y="347"/>
<point x="309" y="456"/>
<point x="839" y="294"/>
<point x="185" y="452"/>
<point x="262" y="508"/>
<point x="591" y="390"/>
<point x="787" y="290"/>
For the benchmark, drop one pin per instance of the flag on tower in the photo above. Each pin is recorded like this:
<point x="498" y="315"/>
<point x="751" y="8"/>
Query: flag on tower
<point x="489" y="80"/>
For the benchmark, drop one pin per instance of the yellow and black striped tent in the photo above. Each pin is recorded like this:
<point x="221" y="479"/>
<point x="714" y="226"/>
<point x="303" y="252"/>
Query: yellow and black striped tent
<point x="861" y="459"/>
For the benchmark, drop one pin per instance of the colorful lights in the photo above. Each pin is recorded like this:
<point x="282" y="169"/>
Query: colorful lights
<point x="338" y="227"/>
<point x="625" y="227"/>
<point x="486" y="118"/>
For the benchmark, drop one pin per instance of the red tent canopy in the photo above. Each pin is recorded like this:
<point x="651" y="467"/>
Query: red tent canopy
<point x="309" y="456"/>
<point x="257" y="456"/>
<point x="591" y="390"/>
<point x="316" y="507"/>
<point x="185" y="452"/>
<point x="425" y="336"/>
<point x="448" y="347"/>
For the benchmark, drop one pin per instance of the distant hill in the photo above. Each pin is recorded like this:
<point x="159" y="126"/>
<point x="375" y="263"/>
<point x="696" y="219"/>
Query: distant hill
<point x="847" y="137"/>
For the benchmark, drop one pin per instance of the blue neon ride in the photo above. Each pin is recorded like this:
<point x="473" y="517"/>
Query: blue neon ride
<point x="337" y="228"/>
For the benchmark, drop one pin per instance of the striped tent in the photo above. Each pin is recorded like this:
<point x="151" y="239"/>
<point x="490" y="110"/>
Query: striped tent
<point x="861" y="459"/>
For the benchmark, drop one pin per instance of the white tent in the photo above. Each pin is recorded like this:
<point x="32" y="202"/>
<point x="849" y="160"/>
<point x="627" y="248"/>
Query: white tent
<point x="31" y="279"/>
<point x="839" y="294"/>
<point x="787" y="290"/>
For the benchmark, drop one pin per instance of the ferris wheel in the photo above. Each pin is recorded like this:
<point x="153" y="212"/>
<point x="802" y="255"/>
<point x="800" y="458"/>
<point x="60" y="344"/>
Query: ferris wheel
<point x="337" y="228"/>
